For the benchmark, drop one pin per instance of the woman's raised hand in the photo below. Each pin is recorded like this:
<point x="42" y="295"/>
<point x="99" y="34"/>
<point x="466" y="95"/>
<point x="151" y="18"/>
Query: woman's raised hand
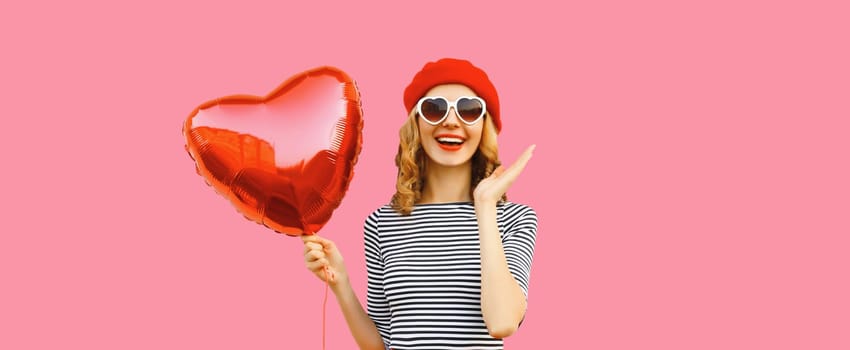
<point x="491" y="189"/>
<point x="321" y="253"/>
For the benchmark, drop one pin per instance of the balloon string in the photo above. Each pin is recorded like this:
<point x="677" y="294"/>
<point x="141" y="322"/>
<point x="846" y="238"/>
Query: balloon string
<point x="325" y="303"/>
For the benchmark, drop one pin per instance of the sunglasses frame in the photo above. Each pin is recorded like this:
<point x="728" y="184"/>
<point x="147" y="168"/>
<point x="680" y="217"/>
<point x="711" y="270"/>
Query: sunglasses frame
<point x="451" y="104"/>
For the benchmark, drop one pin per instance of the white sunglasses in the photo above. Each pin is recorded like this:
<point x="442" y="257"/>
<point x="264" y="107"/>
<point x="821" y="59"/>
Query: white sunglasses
<point x="435" y="109"/>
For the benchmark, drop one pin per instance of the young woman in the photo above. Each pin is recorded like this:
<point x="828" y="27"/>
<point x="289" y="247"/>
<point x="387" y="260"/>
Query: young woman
<point x="448" y="260"/>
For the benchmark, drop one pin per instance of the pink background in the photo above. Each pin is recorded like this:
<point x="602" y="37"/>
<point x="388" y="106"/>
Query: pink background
<point x="691" y="172"/>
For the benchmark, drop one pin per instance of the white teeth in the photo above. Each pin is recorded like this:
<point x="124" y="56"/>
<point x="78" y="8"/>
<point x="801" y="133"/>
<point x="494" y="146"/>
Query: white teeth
<point x="450" y="140"/>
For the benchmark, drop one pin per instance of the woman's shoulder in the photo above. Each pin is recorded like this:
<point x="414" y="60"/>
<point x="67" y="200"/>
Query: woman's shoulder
<point x="514" y="207"/>
<point x="384" y="210"/>
<point x="512" y="213"/>
<point x="373" y="220"/>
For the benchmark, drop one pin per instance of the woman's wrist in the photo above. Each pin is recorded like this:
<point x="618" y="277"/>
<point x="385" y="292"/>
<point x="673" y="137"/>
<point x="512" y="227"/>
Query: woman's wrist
<point x="485" y="204"/>
<point x="341" y="284"/>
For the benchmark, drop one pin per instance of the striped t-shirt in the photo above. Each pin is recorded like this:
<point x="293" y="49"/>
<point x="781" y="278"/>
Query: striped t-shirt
<point x="424" y="272"/>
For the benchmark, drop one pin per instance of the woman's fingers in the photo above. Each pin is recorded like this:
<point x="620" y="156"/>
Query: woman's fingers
<point x="498" y="172"/>
<point x="307" y="239"/>
<point x="317" y="265"/>
<point x="314" y="255"/>
<point x="312" y="238"/>
<point x="502" y="178"/>
<point x="326" y="243"/>
<point x="313" y="246"/>
<point x="316" y="241"/>
<point x="512" y="172"/>
<point x="318" y="252"/>
<point x="517" y="167"/>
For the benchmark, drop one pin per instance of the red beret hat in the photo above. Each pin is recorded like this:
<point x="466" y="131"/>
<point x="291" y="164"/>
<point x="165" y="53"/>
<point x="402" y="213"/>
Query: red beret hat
<point x="453" y="71"/>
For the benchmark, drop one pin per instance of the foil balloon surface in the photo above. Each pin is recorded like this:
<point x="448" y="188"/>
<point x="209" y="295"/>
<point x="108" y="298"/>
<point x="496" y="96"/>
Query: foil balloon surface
<point x="284" y="160"/>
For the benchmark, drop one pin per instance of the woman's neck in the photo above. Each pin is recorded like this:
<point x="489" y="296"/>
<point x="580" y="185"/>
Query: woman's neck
<point x="447" y="184"/>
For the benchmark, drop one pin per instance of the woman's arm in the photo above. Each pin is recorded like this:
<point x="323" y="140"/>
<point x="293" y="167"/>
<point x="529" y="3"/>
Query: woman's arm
<point x="321" y="253"/>
<point x="502" y="299"/>
<point x="361" y="326"/>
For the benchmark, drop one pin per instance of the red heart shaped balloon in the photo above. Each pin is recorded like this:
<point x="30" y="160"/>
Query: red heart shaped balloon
<point x="284" y="160"/>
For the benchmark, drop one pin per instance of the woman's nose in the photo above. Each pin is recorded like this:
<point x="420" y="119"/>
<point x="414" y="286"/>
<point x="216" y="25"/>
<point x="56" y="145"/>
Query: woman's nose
<point x="451" y="119"/>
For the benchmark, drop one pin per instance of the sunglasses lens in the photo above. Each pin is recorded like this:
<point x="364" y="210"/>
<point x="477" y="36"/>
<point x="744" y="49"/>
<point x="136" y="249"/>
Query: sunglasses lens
<point x="433" y="109"/>
<point x="470" y="109"/>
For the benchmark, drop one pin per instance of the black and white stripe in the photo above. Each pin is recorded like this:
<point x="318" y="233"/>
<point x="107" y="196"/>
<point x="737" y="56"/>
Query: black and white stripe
<point x="424" y="272"/>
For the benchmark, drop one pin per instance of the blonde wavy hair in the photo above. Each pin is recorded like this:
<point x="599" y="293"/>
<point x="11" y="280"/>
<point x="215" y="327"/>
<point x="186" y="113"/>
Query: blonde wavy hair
<point x="411" y="163"/>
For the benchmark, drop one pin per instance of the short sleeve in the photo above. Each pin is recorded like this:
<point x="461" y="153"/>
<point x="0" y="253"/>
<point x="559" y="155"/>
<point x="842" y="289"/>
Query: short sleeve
<point x="518" y="239"/>
<point x="376" y="301"/>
